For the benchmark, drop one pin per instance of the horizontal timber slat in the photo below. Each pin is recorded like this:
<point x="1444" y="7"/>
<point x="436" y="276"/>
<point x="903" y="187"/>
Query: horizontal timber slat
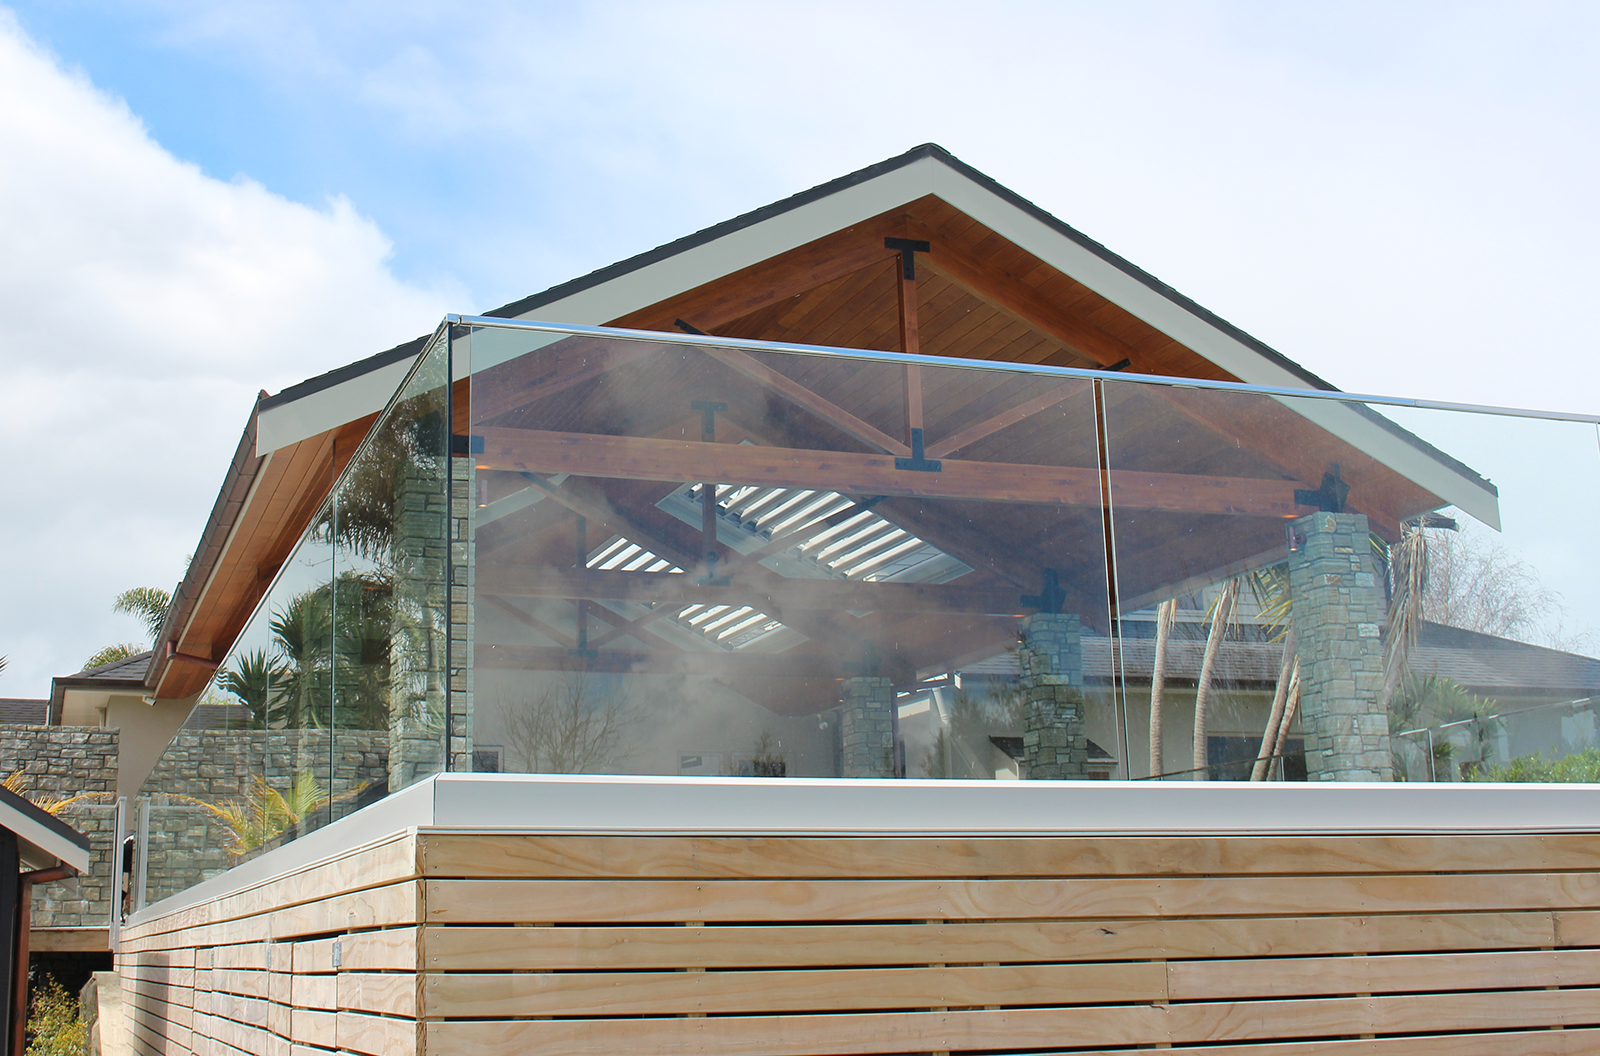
<point x="510" y="901"/>
<point x="535" y="949"/>
<point x="488" y="943"/>
<point x="656" y="993"/>
<point x="1568" y="1042"/>
<point x="1296" y="977"/>
<point x="697" y="857"/>
<point x="897" y="1032"/>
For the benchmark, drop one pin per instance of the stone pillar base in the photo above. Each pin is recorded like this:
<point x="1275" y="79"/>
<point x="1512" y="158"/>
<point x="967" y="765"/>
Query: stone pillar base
<point x="866" y="728"/>
<point x="1054" y="744"/>
<point x="1338" y="615"/>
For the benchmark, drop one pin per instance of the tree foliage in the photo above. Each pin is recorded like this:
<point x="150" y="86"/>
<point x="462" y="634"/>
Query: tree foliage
<point x="150" y="604"/>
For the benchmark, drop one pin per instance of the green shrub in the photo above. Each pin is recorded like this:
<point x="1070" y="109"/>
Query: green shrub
<point x="54" y="1028"/>
<point x="1578" y="768"/>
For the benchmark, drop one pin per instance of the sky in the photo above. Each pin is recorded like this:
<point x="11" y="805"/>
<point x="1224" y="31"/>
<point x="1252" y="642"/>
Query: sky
<point x="202" y="200"/>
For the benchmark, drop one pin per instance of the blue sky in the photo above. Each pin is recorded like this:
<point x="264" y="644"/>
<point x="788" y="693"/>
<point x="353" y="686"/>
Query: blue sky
<point x="204" y="199"/>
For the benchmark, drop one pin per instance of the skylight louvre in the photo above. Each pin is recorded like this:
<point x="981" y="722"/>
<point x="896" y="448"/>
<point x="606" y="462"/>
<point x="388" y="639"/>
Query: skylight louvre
<point x="755" y="617"/>
<point x="606" y="551"/>
<point x="865" y="567"/>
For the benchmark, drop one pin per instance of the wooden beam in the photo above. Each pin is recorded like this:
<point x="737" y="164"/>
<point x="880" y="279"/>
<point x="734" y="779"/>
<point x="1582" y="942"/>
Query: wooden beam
<point x="771" y="593"/>
<point x="993" y="424"/>
<point x="801" y="396"/>
<point x="622" y="661"/>
<point x="683" y="461"/>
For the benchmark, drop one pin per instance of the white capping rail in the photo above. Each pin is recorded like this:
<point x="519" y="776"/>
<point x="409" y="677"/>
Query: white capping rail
<point x="603" y="804"/>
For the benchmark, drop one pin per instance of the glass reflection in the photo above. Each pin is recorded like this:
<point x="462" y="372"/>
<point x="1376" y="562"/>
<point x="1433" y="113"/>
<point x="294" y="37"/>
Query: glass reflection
<point x="700" y="560"/>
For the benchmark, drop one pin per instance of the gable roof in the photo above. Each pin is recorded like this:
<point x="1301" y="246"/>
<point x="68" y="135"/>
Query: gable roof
<point x="607" y="294"/>
<point x="1051" y="295"/>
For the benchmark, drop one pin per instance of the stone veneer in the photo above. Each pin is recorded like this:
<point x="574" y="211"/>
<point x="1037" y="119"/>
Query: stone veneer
<point x="866" y="727"/>
<point x="422" y="561"/>
<point x="59" y="762"/>
<point x="1338" y="615"/>
<point x="187" y="842"/>
<point x="1054" y="744"/>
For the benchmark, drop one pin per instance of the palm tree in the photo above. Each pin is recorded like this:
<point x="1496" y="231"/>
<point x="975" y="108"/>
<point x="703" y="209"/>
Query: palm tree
<point x="1166" y="616"/>
<point x="150" y="604"/>
<point x="1221" y="617"/>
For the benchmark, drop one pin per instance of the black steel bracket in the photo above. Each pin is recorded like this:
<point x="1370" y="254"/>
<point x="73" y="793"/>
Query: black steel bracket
<point x="909" y="248"/>
<point x="869" y="665"/>
<point x="466" y="446"/>
<point x="1330" y="497"/>
<point x="917" y="463"/>
<point x="708" y="417"/>
<point x="1051" y="598"/>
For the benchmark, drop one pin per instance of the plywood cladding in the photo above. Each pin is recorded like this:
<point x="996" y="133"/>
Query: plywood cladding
<point x="573" y="945"/>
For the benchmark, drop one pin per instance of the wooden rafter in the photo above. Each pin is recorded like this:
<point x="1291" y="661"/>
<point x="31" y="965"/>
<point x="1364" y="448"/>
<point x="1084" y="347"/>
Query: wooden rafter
<point x="1007" y="418"/>
<point x="801" y="396"/>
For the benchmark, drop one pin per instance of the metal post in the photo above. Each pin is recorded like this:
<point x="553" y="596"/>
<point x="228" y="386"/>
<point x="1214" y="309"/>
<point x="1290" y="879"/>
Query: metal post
<point x="142" y="853"/>
<point x="120" y="833"/>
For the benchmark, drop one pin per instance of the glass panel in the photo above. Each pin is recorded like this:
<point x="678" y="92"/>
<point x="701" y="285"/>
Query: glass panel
<point x="1500" y="680"/>
<point x="1386" y="613"/>
<point x="343" y="660"/>
<point x="699" y="560"/>
<point x="245" y="772"/>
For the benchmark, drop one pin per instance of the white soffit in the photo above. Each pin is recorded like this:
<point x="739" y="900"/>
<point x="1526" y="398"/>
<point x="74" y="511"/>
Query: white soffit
<point x="685" y="270"/>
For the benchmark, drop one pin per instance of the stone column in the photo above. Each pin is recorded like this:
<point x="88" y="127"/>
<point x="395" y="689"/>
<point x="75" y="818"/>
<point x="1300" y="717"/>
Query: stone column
<point x="1054" y="744"/>
<point x="1338" y="613"/>
<point x="417" y="641"/>
<point x="866" y="727"/>
<point x="463" y="564"/>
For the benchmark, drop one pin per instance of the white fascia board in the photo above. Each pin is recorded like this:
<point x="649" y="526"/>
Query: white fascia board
<point x="1216" y="345"/>
<point x="316" y="413"/>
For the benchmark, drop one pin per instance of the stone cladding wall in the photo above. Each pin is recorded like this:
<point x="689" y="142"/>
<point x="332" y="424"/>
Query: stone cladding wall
<point x="422" y="560"/>
<point x="463" y="510"/>
<point x="1054" y="743"/>
<point x="60" y="762"/>
<point x="1338" y="615"/>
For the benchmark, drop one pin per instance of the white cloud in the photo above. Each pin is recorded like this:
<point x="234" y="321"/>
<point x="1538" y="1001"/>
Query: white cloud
<point x="144" y="304"/>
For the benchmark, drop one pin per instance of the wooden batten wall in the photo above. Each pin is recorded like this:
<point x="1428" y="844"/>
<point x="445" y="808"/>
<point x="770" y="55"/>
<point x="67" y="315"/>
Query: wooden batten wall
<point x="500" y="945"/>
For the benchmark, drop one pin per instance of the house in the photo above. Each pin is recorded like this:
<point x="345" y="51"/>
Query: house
<point x="583" y="644"/>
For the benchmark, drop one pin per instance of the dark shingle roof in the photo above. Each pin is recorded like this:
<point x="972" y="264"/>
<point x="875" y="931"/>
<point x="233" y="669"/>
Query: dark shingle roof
<point x="1478" y="661"/>
<point x="23" y="711"/>
<point x="131" y="668"/>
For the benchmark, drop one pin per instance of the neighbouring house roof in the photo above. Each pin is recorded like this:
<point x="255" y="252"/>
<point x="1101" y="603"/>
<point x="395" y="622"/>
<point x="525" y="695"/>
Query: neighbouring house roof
<point x="126" y="675"/>
<point x="42" y="839"/>
<point x="1483" y="663"/>
<point x="22" y="711"/>
<point x="1053" y="295"/>
<point x="129" y="668"/>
